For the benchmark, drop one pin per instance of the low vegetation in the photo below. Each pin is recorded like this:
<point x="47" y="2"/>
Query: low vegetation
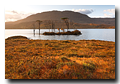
<point x="55" y="59"/>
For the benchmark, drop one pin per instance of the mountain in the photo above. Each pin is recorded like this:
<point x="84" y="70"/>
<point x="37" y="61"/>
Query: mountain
<point x="56" y="16"/>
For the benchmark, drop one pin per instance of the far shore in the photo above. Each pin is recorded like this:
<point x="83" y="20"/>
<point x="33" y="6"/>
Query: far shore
<point x="64" y="28"/>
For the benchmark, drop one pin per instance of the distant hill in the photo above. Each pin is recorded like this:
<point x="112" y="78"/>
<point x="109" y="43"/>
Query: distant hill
<point x="56" y="16"/>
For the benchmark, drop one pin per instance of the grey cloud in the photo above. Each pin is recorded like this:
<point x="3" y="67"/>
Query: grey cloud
<point x="83" y="11"/>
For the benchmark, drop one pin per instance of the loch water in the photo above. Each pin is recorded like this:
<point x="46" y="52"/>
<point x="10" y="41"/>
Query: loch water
<point x="87" y="34"/>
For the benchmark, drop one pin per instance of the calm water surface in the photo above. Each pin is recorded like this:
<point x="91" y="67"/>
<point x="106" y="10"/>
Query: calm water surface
<point x="87" y="34"/>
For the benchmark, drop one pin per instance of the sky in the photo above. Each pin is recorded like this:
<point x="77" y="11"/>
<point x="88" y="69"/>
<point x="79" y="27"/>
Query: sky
<point x="17" y="12"/>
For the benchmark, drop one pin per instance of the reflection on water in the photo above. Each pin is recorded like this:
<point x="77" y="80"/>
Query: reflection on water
<point x="87" y="34"/>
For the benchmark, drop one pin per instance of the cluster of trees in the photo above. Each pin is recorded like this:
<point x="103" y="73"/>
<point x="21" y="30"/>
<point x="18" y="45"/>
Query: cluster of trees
<point x="51" y="24"/>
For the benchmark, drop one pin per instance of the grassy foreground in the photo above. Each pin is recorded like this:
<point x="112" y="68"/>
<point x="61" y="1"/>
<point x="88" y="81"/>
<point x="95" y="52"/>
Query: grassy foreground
<point x="54" y="59"/>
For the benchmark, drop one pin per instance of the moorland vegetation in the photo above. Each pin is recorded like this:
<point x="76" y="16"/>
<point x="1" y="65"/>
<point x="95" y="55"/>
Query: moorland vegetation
<point x="55" y="59"/>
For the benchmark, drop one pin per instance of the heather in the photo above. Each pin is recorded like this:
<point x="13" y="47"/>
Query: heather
<point x="55" y="59"/>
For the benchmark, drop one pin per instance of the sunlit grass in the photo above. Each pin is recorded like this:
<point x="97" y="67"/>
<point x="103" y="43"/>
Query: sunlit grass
<point x="53" y="59"/>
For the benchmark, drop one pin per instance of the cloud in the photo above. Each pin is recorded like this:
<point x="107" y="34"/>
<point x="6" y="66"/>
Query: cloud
<point x="11" y="17"/>
<point x="14" y="12"/>
<point x="109" y="13"/>
<point x="83" y="11"/>
<point x="15" y="15"/>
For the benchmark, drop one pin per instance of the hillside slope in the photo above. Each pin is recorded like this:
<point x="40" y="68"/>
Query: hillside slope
<point x="57" y="15"/>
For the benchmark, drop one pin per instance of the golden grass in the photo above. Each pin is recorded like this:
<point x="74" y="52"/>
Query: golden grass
<point x="54" y="59"/>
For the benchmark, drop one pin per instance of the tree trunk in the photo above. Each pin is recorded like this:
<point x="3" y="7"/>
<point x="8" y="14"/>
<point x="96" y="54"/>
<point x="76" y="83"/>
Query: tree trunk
<point x="39" y="28"/>
<point x="34" y="29"/>
<point x="67" y="24"/>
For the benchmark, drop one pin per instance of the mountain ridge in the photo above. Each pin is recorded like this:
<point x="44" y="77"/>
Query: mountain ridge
<point x="57" y="15"/>
<point x="54" y="15"/>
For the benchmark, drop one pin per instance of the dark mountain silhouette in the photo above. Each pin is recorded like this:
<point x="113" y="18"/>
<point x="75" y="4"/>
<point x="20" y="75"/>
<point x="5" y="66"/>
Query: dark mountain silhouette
<point x="57" y="15"/>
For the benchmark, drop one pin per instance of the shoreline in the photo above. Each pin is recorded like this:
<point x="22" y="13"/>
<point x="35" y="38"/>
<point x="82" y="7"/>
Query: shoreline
<point x="55" y="40"/>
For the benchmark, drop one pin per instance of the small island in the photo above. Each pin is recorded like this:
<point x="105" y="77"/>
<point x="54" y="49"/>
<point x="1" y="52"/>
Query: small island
<point x="75" y="32"/>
